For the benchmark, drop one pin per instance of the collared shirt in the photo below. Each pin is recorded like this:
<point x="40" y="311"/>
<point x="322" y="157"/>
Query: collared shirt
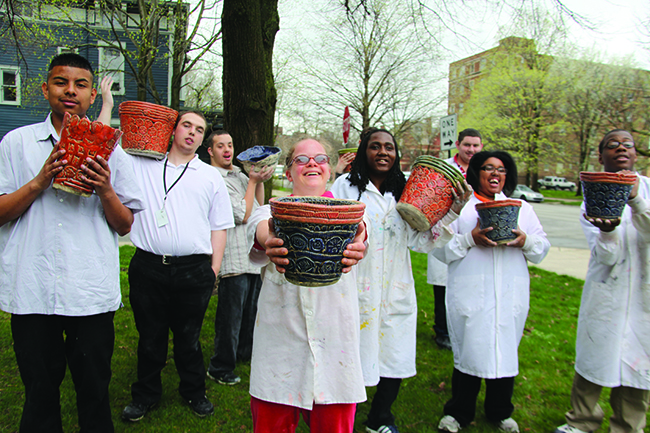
<point x="60" y="256"/>
<point x="235" y="258"/>
<point x="195" y="207"/>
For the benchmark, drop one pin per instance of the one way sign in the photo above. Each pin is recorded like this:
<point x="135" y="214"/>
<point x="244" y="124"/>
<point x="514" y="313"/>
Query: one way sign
<point x="448" y="131"/>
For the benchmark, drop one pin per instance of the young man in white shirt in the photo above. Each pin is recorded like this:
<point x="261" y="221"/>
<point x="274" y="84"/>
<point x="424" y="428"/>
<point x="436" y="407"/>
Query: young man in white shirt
<point x="59" y="260"/>
<point x="180" y="241"/>
<point x="469" y="143"/>
<point x="240" y="283"/>
<point x="613" y="337"/>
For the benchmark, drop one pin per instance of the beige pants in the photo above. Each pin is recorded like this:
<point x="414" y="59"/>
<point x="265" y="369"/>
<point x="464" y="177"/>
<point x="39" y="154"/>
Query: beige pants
<point x="629" y="405"/>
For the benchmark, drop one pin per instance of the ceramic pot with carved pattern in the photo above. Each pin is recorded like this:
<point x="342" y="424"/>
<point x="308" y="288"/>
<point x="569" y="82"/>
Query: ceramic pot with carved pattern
<point x="147" y="128"/>
<point x="606" y="194"/>
<point x="502" y="216"/>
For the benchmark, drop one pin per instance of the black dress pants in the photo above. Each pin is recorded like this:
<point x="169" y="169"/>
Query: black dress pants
<point x="44" y="345"/>
<point x="440" y="311"/>
<point x="380" y="409"/>
<point x="169" y="297"/>
<point x="464" y="391"/>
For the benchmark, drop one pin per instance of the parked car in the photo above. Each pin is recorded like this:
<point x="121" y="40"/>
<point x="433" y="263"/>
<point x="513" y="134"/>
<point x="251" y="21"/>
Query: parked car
<point x="279" y="171"/>
<point x="525" y="193"/>
<point x="554" y="182"/>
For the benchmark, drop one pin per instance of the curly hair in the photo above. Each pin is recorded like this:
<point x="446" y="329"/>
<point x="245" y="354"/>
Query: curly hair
<point x="477" y="161"/>
<point x="360" y="172"/>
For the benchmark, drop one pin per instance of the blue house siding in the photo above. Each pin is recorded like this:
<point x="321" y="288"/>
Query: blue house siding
<point x="34" y="107"/>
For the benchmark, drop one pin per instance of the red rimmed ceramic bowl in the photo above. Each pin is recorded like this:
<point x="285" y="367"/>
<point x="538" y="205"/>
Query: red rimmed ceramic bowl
<point x="502" y="216"/>
<point x="147" y="128"/>
<point x="316" y="231"/>
<point x="606" y="194"/>
<point x="427" y="196"/>
<point x="82" y="139"/>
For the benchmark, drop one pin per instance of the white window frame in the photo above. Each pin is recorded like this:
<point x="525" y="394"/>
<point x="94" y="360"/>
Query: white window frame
<point x="62" y="50"/>
<point x="115" y="69"/>
<point x="16" y="71"/>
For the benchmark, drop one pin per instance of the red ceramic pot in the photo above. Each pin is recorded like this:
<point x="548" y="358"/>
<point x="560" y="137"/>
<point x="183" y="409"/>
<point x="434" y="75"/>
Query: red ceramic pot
<point x="427" y="197"/>
<point x="81" y="139"/>
<point x="315" y="231"/>
<point x="147" y="128"/>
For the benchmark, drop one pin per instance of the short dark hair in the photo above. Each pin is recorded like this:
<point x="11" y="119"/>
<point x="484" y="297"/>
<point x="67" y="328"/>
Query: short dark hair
<point x="70" y="59"/>
<point x="183" y="113"/>
<point x="210" y="139"/>
<point x="475" y="164"/>
<point x="602" y="143"/>
<point x="468" y="132"/>
<point x="360" y="172"/>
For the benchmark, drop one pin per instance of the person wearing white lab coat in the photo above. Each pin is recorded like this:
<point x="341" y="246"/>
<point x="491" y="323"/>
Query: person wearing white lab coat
<point x="387" y="302"/>
<point x="488" y="297"/>
<point x="613" y="338"/>
<point x="306" y="340"/>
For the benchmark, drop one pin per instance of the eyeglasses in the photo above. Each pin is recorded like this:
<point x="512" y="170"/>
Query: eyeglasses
<point x="491" y="169"/>
<point x="304" y="159"/>
<point x="615" y="144"/>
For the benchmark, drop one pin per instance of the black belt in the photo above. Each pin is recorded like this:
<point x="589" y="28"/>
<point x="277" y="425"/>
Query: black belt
<point x="172" y="260"/>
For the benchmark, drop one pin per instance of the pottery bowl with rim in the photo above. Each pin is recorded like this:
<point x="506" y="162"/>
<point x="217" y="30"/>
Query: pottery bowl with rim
<point x="147" y="128"/>
<point x="502" y="216"/>
<point x="606" y="194"/>
<point x="260" y="157"/>
<point x="315" y="231"/>
<point x="427" y="196"/>
<point x="82" y="139"/>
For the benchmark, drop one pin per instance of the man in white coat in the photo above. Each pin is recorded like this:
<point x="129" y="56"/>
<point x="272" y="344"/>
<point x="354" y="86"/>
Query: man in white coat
<point x="469" y="142"/>
<point x="613" y="340"/>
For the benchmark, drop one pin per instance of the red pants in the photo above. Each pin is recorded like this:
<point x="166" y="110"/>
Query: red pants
<point x="323" y="418"/>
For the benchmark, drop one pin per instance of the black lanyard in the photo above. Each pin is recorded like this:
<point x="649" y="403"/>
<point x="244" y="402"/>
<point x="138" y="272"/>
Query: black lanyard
<point x="175" y="182"/>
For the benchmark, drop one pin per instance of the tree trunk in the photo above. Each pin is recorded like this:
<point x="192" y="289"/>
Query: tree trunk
<point x="249" y="95"/>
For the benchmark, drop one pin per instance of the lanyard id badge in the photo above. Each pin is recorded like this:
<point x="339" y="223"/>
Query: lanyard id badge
<point x="161" y="215"/>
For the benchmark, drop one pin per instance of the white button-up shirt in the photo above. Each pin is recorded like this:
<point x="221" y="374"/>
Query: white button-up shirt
<point x="306" y="341"/>
<point x="195" y="206"/>
<point x="60" y="256"/>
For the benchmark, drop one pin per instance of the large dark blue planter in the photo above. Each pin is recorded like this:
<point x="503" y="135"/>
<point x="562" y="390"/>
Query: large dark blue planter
<point x="502" y="216"/>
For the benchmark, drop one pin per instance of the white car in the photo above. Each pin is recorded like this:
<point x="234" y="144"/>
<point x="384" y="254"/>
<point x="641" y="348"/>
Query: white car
<point x="525" y="193"/>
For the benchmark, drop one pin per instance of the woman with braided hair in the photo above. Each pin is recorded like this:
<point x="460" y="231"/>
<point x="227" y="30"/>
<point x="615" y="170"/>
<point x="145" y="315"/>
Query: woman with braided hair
<point x="387" y="304"/>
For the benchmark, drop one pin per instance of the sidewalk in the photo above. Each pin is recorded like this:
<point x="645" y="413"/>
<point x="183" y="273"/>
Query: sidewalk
<point x="566" y="261"/>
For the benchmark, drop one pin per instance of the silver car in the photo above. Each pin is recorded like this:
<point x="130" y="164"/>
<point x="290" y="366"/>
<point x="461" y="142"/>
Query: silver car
<point x="525" y="193"/>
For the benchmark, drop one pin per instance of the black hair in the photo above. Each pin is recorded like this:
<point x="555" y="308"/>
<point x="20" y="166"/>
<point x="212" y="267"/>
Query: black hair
<point x="210" y="140"/>
<point x="469" y="132"/>
<point x="475" y="164"/>
<point x="70" y="59"/>
<point x="602" y="143"/>
<point x="360" y="172"/>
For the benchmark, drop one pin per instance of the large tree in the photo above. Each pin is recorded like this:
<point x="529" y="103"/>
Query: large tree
<point x="249" y="96"/>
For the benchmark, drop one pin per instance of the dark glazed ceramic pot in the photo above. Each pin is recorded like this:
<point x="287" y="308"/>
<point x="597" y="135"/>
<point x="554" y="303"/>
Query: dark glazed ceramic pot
<point x="260" y="156"/>
<point x="427" y="196"/>
<point x="315" y="230"/>
<point x="82" y="139"/>
<point x="502" y="216"/>
<point x="147" y="128"/>
<point x="606" y="194"/>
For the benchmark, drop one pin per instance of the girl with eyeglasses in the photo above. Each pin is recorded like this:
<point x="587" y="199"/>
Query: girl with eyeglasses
<point x="306" y="341"/>
<point x="387" y="303"/>
<point x="487" y="297"/>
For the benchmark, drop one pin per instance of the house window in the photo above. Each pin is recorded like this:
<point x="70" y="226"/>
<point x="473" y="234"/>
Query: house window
<point x="10" y="94"/>
<point x="62" y="50"/>
<point x="111" y="63"/>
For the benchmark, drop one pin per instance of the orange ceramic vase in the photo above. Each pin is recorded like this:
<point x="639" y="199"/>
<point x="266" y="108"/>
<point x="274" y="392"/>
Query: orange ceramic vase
<point x="147" y="128"/>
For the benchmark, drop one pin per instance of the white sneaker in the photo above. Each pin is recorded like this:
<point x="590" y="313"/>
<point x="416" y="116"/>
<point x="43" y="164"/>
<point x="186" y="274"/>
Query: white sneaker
<point x="509" y="425"/>
<point x="449" y="423"/>
<point x="566" y="428"/>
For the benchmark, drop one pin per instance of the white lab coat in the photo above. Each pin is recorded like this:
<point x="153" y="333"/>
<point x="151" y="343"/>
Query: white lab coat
<point x="387" y="303"/>
<point x="306" y="339"/>
<point x="488" y="294"/>
<point x="613" y="340"/>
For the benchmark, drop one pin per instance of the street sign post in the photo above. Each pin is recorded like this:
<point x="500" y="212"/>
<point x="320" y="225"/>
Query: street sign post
<point x="448" y="131"/>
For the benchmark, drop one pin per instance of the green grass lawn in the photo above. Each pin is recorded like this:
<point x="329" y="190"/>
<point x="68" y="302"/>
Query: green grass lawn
<point x="541" y="392"/>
